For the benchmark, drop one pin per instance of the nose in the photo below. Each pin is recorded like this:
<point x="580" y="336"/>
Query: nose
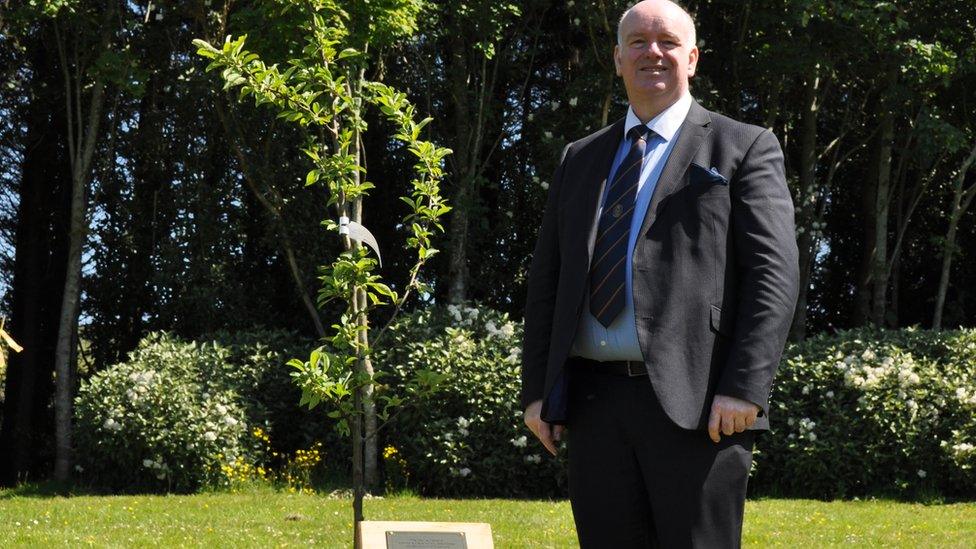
<point x="654" y="49"/>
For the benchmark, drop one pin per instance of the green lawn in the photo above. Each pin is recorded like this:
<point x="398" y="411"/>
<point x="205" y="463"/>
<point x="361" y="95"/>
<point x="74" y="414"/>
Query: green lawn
<point x="266" y="518"/>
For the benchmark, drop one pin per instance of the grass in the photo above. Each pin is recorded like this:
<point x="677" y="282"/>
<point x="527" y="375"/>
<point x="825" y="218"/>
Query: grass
<point x="263" y="517"/>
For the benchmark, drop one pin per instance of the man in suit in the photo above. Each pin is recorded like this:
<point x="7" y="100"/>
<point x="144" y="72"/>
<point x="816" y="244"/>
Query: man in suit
<point x="660" y="295"/>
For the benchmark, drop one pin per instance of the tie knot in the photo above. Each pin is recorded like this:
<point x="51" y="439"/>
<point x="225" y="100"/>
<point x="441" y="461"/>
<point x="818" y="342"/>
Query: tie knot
<point x="639" y="131"/>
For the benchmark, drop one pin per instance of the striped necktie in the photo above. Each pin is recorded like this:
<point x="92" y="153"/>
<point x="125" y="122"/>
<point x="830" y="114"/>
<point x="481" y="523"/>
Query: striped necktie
<point x="607" y="270"/>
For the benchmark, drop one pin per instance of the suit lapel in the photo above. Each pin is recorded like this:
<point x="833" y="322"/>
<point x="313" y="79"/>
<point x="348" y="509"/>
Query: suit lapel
<point x="591" y="181"/>
<point x="693" y="132"/>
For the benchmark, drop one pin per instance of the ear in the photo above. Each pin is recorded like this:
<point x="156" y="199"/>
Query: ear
<point x="616" y="59"/>
<point x="692" y="61"/>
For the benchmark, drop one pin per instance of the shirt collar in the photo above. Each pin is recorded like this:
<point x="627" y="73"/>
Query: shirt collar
<point x="667" y="122"/>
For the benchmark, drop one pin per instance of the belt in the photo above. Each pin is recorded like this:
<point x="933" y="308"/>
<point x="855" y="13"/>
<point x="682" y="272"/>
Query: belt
<point x="626" y="368"/>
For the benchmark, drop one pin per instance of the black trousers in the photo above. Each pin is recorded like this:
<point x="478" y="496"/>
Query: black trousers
<point x="638" y="480"/>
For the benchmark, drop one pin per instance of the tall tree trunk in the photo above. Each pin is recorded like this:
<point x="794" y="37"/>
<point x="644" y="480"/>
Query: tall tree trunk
<point x="463" y="198"/>
<point x="807" y="203"/>
<point x="961" y="200"/>
<point x="871" y="294"/>
<point x="879" y="257"/>
<point x="367" y="437"/>
<point x="38" y="277"/>
<point x="82" y="135"/>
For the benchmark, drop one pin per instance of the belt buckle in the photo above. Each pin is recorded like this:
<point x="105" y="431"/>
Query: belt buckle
<point x="641" y="370"/>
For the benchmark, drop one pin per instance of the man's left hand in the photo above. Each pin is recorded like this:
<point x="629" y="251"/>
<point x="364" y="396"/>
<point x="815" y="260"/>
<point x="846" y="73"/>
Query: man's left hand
<point x="730" y="415"/>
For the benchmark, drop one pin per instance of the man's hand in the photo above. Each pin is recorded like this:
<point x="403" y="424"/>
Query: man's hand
<point x="546" y="433"/>
<point x="731" y="415"/>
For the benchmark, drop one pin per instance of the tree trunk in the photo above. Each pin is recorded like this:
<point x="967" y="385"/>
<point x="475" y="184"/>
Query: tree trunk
<point x="807" y="204"/>
<point x="961" y="199"/>
<point x="38" y="272"/>
<point x="81" y="144"/>
<point x="463" y="198"/>
<point x="879" y="259"/>
<point x="871" y="294"/>
<point x="367" y="438"/>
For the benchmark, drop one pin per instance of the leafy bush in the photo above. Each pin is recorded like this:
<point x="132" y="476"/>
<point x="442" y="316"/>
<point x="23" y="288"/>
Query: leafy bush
<point x="178" y="415"/>
<point x="857" y="413"/>
<point x="469" y="438"/>
<point x="873" y="412"/>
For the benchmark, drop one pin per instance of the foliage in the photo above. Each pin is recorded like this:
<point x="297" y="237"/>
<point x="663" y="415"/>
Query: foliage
<point x="860" y="413"/>
<point x="148" y="424"/>
<point x="864" y="412"/>
<point x="469" y="439"/>
<point x="325" y="89"/>
<point x="181" y="415"/>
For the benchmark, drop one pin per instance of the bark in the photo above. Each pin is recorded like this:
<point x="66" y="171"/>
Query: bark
<point x="879" y="258"/>
<point x="461" y="201"/>
<point x="83" y="131"/>
<point x="871" y="295"/>
<point x="38" y="272"/>
<point x="962" y="198"/>
<point x="807" y="198"/>
<point x="474" y="107"/>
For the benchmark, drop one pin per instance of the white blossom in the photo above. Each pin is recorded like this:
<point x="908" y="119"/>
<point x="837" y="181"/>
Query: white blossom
<point x="519" y="442"/>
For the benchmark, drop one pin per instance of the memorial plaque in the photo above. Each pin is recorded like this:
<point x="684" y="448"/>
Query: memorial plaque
<point x="424" y="535"/>
<point x="425" y="540"/>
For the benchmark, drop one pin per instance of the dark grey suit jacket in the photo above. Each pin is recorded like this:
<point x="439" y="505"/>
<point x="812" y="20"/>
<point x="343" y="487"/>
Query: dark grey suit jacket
<point x="715" y="268"/>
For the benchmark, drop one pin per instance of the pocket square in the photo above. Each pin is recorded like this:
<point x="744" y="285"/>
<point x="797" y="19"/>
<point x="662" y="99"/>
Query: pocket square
<point x="701" y="175"/>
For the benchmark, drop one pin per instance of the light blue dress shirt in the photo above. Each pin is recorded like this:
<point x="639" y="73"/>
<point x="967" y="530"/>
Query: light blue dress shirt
<point x="619" y="340"/>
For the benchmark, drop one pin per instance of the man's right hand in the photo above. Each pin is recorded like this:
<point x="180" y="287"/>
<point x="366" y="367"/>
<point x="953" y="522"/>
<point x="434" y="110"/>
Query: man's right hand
<point x="547" y="434"/>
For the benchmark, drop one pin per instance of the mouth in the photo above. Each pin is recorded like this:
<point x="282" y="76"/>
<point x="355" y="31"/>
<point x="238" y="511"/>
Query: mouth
<point x="653" y="70"/>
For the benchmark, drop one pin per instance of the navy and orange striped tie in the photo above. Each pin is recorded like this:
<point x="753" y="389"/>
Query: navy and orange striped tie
<point x="607" y="269"/>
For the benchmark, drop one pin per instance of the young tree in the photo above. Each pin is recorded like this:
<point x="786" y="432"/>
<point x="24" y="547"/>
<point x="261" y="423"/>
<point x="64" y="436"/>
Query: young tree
<point x="325" y="91"/>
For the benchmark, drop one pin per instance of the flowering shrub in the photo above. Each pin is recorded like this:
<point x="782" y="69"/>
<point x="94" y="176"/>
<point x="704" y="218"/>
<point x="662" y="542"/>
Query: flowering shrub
<point x="469" y="437"/>
<point x="857" y="413"/>
<point x="179" y="415"/>
<point x="138" y="426"/>
<point x="866" y="412"/>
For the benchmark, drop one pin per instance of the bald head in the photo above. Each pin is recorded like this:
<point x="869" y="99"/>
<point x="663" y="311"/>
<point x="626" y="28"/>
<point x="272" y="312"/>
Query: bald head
<point x="659" y="7"/>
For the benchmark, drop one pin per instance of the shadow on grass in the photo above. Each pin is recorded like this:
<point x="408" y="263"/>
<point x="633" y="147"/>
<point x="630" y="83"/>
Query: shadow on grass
<point x="49" y="489"/>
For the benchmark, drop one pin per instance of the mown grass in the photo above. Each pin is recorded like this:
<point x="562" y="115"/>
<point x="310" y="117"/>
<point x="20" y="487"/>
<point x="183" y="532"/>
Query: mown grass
<point x="263" y="517"/>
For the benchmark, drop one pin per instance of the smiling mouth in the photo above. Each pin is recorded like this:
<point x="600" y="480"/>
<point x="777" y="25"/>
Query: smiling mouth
<point x="653" y="70"/>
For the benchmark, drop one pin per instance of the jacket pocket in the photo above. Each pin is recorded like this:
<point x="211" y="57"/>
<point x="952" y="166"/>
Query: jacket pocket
<point x="721" y="322"/>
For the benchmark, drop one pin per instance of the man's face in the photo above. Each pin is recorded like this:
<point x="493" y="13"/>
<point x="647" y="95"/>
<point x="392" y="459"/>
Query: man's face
<point x="656" y="56"/>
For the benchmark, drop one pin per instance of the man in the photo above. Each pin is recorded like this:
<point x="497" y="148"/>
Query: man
<point x="660" y="295"/>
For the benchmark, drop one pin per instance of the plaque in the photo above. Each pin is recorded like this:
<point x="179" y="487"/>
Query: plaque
<point x="425" y="540"/>
<point x="424" y="535"/>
